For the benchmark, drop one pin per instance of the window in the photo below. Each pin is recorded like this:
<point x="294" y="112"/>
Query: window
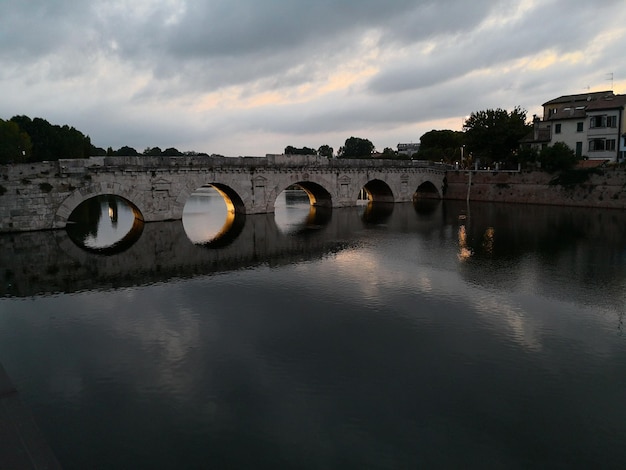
<point x="603" y="121"/>
<point x="557" y="128"/>
<point x="579" y="126"/>
<point x="596" y="145"/>
<point x="597" y="121"/>
<point x="579" y="149"/>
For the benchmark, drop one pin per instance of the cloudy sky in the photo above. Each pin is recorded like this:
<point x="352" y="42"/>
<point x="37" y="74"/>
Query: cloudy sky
<point x="249" y="77"/>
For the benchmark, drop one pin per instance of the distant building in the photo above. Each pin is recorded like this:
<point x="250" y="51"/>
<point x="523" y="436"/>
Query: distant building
<point x="408" y="149"/>
<point x="591" y="124"/>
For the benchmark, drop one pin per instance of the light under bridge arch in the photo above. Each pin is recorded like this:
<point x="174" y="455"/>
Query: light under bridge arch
<point x="78" y="196"/>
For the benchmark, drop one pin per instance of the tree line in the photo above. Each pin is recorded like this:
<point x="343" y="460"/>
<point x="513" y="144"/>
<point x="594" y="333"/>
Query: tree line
<point x="23" y="139"/>
<point x="354" y="147"/>
<point x="488" y="136"/>
<point x="493" y="136"/>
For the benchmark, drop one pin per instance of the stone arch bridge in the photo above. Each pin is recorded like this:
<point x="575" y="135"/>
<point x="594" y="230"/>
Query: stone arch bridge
<point x="42" y="196"/>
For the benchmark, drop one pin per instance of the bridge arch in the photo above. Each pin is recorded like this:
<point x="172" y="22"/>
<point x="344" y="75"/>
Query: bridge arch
<point x="233" y="223"/>
<point x="318" y="195"/>
<point x="234" y="203"/>
<point x="78" y="196"/>
<point x="378" y="191"/>
<point x="427" y="190"/>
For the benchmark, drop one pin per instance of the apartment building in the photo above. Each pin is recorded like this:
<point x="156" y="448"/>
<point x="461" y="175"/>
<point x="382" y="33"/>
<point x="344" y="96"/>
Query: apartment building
<point x="591" y="124"/>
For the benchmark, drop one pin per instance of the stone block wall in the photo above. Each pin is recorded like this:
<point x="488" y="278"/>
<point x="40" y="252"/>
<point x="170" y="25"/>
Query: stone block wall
<point x="606" y="189"/>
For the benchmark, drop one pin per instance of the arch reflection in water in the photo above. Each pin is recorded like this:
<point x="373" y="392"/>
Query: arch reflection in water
<point x="105" y="224"/>
<point x="426" y="206"/>
<point x="296" y="213"/>
<point x="210" y="218"/>
<point x="377" y="213"/>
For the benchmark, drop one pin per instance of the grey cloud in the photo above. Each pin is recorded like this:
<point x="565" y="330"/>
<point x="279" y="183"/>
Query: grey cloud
<point x="533" y="33"/>
<point x="183" y="50"/>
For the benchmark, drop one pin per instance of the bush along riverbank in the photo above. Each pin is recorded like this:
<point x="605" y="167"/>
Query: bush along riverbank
<point x="581" y="187"/>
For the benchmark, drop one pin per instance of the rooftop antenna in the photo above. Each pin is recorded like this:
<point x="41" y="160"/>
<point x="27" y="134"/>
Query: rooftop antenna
<point x="610" y="77"/>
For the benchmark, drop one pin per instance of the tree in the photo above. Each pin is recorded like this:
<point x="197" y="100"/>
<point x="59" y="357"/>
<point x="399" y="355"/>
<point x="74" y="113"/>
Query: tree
<point x="153" y="152"/>
<point x="325" y="151"/>
<point x="97" y="151"/>
<point x="557" y="157"/>
<point x="388" y="152"/>
<point x="172" y="152"/>
<point x="126" y="152"/>
<point x="493" y="135"/>
<point x="15" y="144"/>
<point x="51" y="142"/>
<point x="441" y="145"/>
<point x="290" y="150"/>
<point x="356" y="147"/>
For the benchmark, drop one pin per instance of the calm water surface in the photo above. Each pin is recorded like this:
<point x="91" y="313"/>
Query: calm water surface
<point x="488" y="336"/>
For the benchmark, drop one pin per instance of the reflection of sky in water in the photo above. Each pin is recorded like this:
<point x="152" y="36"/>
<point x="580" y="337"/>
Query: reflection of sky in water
<point x="385" y="354"/>
<point x="204" y="215"/>
<point x="113" y="225"/>
<point x="291" y="210"/>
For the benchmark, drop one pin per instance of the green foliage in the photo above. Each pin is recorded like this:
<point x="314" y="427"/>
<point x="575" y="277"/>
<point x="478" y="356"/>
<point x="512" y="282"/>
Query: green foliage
<point x="493" y="135"/>
<point x="15" y="144"/>
<point x="51" y="142"/>
<point x="525" y="155"/>
<point x="325" y="151"/>
<point x="172" y="152"/>
<point x="573" y="177"/>
<point x="289" y="150"/>
<point x="153" y="152"/>
<point x="441" y="145"/>
<point x="557" y="157"/>
<point x="126" y="152"/>
<point x="389" y="153"/>
<point x="97" y="151"/>
<point x="356" y="147"/>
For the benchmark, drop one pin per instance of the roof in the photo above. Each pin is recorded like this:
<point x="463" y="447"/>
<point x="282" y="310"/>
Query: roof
<point x="591" y="163"/>
<point x="568" y="112"/>
<point x="582" y="97"/>
<point x="577" y="109"/>
<point x="614" y="102"/>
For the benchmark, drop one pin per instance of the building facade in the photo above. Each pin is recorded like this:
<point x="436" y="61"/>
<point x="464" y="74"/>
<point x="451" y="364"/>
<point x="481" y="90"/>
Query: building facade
<point x="408" y="149"/>
<point x="591" y="124"/>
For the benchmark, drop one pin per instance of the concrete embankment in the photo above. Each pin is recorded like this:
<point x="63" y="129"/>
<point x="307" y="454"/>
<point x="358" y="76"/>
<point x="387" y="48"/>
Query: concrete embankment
<point x="603" y="188"/>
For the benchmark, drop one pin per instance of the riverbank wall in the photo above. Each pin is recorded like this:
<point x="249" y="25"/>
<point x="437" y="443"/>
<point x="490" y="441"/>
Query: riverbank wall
<point x="601" y="188"/>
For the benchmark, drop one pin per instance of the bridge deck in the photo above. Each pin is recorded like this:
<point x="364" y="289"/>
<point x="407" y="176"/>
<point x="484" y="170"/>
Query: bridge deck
<point x="22" y="445"/>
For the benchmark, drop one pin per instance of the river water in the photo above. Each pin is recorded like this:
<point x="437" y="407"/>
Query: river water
<point x="399" y="336"/>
